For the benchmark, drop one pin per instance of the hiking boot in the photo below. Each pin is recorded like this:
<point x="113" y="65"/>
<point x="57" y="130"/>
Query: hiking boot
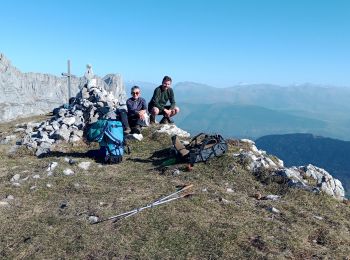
<point x="170" y="121"/>
<point x="152" y="119"/>
<point x="164" y="121"/>
<point x="136" y="130"/>
<point x="127" y="130"/>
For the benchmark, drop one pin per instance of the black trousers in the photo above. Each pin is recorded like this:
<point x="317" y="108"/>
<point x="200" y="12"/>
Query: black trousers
<point x="123" y="117"/>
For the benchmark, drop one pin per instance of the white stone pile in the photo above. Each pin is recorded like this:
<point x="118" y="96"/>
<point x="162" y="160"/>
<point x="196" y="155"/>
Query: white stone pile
<point x="68" y="122"/>
<point x="257" y="160"/>
<point x="171" y="130"/>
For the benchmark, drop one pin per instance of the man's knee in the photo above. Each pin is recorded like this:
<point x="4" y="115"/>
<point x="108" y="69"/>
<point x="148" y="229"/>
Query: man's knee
<point x="154" y="110"/>
<point x="175" y="110"/>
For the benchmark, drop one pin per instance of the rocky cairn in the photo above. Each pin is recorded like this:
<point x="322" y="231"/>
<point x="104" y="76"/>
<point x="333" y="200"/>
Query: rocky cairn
<point x="68" y="122"/>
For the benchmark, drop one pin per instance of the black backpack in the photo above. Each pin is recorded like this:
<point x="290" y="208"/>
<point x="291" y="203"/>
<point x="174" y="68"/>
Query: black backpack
<point x="201" y="148"/>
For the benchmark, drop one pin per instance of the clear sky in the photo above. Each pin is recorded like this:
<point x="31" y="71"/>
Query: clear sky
<point x="216" y="42"/>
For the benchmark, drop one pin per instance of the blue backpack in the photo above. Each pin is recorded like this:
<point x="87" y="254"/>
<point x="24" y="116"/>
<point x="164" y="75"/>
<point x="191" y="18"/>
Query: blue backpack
<point x="110" y="135"/>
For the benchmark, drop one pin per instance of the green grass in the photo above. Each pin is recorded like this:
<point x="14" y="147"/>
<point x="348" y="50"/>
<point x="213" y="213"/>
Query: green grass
<point x="212" y="224"/>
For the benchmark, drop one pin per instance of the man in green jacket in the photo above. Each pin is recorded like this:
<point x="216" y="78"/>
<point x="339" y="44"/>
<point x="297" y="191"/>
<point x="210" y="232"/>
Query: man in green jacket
<point x="158" y="104"/>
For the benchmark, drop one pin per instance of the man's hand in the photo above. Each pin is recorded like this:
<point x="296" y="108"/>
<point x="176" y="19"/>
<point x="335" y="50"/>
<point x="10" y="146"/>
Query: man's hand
<point x="142" y="114"/>
<point x="167" y="112"/>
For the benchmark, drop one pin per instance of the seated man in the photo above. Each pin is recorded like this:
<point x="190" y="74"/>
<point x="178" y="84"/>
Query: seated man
<point x="157" y="105"/>
<point x="137" y="108"/>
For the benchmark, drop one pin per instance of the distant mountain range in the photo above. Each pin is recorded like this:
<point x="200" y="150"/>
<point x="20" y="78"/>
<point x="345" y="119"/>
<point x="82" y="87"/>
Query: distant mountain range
<point x="257" y="110"/>
<point x="301" y="149"/>
<point x="242" y="121"/>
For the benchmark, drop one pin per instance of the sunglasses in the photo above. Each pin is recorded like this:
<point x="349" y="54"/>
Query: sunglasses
<point x="135" y="93"/>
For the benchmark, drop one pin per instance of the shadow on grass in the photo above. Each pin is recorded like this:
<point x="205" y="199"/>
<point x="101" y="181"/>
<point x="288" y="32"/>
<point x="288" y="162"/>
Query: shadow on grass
<point x="158" y="158"/>
<point x="92" y="154"/>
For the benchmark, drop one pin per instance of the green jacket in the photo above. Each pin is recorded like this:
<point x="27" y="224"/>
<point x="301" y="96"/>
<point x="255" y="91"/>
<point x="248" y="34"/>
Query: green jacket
<point x="161" y="97"/>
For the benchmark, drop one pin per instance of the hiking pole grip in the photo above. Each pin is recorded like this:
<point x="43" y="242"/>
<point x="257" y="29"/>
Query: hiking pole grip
<point x="187" y="187"/>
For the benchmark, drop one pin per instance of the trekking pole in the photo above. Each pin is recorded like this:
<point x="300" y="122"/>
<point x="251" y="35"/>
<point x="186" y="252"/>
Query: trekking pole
<point x="160" y="201"/>
<point x="154" y="204"/>
<point x="163" y="200"/>
<point x="173" y="194"/>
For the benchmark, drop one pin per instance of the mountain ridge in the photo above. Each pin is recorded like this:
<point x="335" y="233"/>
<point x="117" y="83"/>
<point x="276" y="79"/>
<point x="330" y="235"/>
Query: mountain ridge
<point x="24" y="94"/>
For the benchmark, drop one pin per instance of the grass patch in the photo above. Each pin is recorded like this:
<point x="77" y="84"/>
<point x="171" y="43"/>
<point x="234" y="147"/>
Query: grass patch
<point x="223" y="220"/>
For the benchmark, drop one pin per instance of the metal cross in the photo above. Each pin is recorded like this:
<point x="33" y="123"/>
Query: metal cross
<point x="68" y="75"/>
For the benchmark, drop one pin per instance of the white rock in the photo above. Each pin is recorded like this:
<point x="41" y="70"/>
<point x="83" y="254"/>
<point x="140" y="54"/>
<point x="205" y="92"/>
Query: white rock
<point x="19" y="130"/>
<point x="68" y="172"/>
<point x="15" y="178"/>
<point x="225" y="201"/>
<point x="10" y="197"/>
<point x="173" y="130"/>
<point x="230" y="190"/>
<point x="52" y="166"/>
<point x="274" y="210"/>
<point x="69" y="120"/>
<point x="247" y="141"/>
<point x="254" y="149"/>
<point x="176" y="172"/>
<point x="37" y="176"/>
<point x="93" y="219"/>
<point x="74" y="138"/>
<point x="328" y="184"/>
<point x="4" y="203"/>
<point x="84" y="165"/>
<point x="49" y="185"/>
<point x="138" y="137"/>
<point x="272" y="197"/>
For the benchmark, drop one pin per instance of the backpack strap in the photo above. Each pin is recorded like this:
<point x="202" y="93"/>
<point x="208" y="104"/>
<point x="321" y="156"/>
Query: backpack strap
<point x="198" y="139"/>
<point x="208" y="144"/>
<point x="180" y="148"/>
<point x="110" y="136"/>
<point x="126" y="147"/>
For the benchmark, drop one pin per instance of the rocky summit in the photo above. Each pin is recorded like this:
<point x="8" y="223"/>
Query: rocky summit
<point x="25" y="94"/>
<point x="243" y="205"/>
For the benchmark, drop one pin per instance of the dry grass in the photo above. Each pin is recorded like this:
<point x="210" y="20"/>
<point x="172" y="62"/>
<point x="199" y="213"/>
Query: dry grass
<point x="51" y="223"/>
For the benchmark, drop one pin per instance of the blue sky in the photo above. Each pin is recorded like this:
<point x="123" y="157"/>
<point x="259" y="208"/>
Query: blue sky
<point x="216" y="42"/>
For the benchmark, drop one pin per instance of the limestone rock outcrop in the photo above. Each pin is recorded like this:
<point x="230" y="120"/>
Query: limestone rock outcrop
<point x="307" y="177"/>
<point x="25" y="94"/>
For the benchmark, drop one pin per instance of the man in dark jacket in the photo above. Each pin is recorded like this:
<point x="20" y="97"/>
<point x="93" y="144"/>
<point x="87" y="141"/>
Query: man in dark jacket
<point x="158" y="104"/>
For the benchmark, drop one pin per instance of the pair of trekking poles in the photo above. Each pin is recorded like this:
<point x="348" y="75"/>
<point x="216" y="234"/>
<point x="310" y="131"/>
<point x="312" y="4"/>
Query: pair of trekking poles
<point x="173" y="196"/>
